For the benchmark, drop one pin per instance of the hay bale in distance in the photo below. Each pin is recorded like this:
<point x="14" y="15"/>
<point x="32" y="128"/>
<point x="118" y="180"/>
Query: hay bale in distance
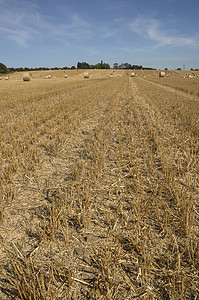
<point x="162" y="74"/>
<point x="86" y="75"/>
<point x="27" y="76"/>
<point x="65" y="76"/>
<point x="133" y="74"/>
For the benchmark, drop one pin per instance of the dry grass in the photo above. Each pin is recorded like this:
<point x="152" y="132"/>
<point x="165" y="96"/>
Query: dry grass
<point x="99" y="189"/>
<point x="177" y="80"/>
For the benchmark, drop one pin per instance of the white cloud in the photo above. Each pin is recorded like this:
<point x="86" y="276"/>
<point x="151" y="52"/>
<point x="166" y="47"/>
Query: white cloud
<point x="75" y="28"/>
<point x="23" y="24"/>
<point x="151" y="29"/>
<point x="20" y="36"/>
<point x="16" y="23"/>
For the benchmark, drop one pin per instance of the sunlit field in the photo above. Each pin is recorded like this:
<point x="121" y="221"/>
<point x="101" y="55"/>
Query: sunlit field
<point x="99" y="185"/>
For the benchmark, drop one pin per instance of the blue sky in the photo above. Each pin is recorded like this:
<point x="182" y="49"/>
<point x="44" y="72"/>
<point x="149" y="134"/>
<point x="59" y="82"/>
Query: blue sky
<point x="151" y="33"/>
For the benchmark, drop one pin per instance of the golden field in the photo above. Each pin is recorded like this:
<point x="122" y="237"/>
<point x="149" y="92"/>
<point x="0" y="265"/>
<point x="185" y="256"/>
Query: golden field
<point x="99" y="185"/>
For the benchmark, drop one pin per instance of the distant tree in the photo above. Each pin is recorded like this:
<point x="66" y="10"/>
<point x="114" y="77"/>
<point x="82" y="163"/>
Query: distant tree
<point x="73" y="67"/>
<point x="19" y="69"/>
<point x="121" y="66"/>
<point x="83" y="65"/>
<point x="107" y="66"/>
<point x="127" y="66"/>
<point x="3" y="68"/>
<point x="102" y="65"/>
<point x="166" y="69"/>
<point x="179" y="69"/>
<point x="115" y="66"/>
<point x="98" y="66"/>
<point x="12" y="69"/>
<point x="136" y="67"/>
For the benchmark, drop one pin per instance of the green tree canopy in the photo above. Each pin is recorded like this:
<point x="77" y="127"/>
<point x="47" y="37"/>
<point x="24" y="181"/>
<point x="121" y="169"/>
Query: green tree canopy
<point x="115" y="66"/>
<point x="3" y="68"/>
<point x="85" y="65"/>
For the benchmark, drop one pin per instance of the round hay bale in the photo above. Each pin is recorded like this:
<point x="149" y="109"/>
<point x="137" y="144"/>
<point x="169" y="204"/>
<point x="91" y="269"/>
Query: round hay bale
<point x="49" y="76"/>
<point x="86" y="75"/>
<point x="6" y="78"/>
<point x="27" y="76"/>
<point x="132" y="74"/>
<point x="162" y="74"/>
<point x="65" y="76"/>
<point x="0" y="78"/>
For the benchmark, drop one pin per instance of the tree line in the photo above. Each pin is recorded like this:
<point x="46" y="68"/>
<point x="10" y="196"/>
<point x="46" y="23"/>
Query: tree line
<point x="81" y="65"/>
<point x="130" y="67"/>
<point x="85" y="65"/>
<point x="4" y="69"/>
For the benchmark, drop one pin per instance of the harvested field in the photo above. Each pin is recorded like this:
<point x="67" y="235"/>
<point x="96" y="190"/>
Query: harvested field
<point x="99" y="187"/>
<point x="188" y="85"/>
